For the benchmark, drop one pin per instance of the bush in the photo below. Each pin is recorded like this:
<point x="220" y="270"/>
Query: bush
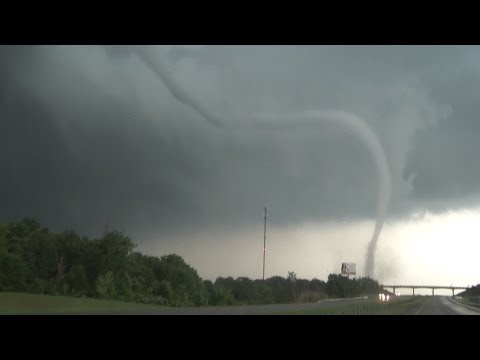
<point x="162" y="289"/>
<point x="77" y="281"/>
<point x="14" y="273"/>
<point x="106" y="286"/>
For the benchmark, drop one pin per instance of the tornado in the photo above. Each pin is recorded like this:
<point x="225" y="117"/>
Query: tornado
<point x="355" y="125"/>
<point x="148" y="56"/>
<point x="152" y="61"/>
<point x="359" y="128"/>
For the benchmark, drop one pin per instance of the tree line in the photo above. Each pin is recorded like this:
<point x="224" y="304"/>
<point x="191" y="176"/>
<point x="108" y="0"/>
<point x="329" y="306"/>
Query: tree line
<point x="471" y="291"/>
<point x="34" y="259"/>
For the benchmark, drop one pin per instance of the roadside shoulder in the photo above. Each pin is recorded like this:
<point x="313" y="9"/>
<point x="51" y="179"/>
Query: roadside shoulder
<point x="469" y="307"/>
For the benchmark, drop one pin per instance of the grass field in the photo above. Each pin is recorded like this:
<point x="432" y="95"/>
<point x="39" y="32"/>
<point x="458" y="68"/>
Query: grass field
<point x="15" y="303"/>
<point x="25" y="304"/>
<point x="473" y="301"/>
<point x="373" y="306"/>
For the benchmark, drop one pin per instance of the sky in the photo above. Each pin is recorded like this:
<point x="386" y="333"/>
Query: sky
<point x="91" y="138"/>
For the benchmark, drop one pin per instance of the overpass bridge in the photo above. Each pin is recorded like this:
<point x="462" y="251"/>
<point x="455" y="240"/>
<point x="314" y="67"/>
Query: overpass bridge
<point x="433" y="287"/>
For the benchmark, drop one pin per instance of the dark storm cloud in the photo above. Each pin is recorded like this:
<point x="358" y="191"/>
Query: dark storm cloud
<point x="89" y="138"/>
<point x="446" y="157"/>
<point x="121" y="170"/>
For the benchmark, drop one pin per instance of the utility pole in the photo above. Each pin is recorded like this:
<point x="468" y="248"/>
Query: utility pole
<point x="264" y="239"/>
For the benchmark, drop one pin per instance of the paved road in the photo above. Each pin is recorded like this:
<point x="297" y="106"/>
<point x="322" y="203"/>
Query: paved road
<point x="442" y="305"/>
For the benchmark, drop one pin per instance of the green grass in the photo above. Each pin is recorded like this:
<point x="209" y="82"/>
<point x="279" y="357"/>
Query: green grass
<point x="373" y="306"/>
<point x="470" y="301"/>
<point x="404" y="305"/>
<point x="16" y="303"/>
<point x="25" y="304"/>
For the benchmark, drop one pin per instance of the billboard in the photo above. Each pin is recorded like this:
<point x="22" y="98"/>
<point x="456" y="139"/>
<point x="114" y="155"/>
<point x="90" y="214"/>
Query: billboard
<point x="349" y="269"/>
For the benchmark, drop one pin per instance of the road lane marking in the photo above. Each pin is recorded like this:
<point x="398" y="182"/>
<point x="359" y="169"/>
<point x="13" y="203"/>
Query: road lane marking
<point x="421" y="308"/>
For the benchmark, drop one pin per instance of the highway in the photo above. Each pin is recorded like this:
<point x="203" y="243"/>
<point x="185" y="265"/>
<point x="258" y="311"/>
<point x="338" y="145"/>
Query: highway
<point x="442" y="305"/>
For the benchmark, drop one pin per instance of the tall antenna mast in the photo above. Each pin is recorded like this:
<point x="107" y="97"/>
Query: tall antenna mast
<point x="265" y="215"/>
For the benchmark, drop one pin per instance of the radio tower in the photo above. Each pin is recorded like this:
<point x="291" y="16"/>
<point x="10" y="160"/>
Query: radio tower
<point x="265" y="215"/>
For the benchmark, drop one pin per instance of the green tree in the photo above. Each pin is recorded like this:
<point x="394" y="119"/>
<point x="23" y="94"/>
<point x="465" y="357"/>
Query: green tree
<point x="265" y="295"/>
<point x="181" y="297"/>
<point x="41" y="254"/>
<point x="281" y="292"/>
<point x="125" y="288"/>
<point x="140" y="271"/>
<point x="23" y="229"/>
<point x="317" y="285"/>
<point x="368" y="286"/>
<point x="106" y="286"/>
<point x="34" y="259"/>
<point x="77" y="282"/>
<point x="115" y="248"/>
<point x="3" y="236"/>
<point x="69" y="252"/>
<point x="222" y="296"/>
<point x="245" y="291"/>
<point x="13" y="272"/>
<point x="163" y="289"/>
<point x="227" y="283"/>
<point x="188" y="287"/>
<point x="342" y="287"/>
